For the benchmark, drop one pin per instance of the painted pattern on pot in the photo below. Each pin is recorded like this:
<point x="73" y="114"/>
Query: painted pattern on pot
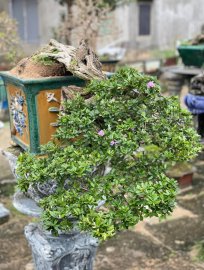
<point x="19" y="118"/>
<point x="51" y="97"/>
<point x="18" y="109"/>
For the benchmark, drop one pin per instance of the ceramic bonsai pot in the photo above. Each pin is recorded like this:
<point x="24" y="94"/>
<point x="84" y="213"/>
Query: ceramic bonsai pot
<point x="170" y="61"/>
<point x="185" y="180"/>
<point x="34" y="106"/>
<point x="183" y="173"/>
<point x="109" y="65"/>
<point x="192" y="55"/>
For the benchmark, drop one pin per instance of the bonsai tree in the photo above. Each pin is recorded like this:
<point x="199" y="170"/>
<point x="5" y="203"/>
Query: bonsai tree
<point x="84" y="18"/>
<point x="110" y="154"/>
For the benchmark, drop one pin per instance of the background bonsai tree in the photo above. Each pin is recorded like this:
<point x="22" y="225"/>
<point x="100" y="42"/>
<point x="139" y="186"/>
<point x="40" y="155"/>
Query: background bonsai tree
<point x="9" y="40"/>
<point x="116" y="138"/>
<point x="83" y="19"/>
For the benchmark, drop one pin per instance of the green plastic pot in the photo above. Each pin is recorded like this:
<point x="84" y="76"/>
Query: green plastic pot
<point x="192" y="55"/>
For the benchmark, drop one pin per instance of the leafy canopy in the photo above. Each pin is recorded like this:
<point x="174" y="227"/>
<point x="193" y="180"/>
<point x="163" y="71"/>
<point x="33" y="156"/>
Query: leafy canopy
<point x="126" y="128"/>
<point x="9" y="39"/>
<point x="101" y="3"/>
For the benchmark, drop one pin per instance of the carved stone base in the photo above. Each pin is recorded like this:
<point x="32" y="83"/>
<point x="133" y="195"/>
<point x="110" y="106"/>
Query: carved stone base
<point x="71" y="251"/>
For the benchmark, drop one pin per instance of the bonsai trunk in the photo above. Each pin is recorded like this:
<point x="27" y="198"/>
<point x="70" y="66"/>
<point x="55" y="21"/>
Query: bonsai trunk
<point x="81" y="62"/>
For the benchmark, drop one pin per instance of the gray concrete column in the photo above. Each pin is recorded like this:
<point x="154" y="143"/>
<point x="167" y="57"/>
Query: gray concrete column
<point x="70" y="251"/>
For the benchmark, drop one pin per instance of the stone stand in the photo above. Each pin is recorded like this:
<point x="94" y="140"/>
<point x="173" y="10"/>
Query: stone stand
<point x="72" y="251"/>
<point x="174" y="82"/>
<point x="4" y="214"/>
<point x="68" y="251"/>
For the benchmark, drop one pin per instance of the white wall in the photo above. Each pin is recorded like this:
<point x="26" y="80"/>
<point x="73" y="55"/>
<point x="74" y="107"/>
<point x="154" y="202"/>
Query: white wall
<point x="49" y="18"/>
<point x="171" y="20"/>
<point x="116" y="28"/>
<point x="177" y="20"/>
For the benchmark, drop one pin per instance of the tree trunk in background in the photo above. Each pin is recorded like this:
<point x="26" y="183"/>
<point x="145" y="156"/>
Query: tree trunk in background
<point x="83" y="18"/>
<point x="69" y="22"/>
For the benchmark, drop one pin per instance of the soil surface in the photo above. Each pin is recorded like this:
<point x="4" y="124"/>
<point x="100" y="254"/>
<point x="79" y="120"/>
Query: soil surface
<point x="150" y="245"/>
<point x="28" y="68"/>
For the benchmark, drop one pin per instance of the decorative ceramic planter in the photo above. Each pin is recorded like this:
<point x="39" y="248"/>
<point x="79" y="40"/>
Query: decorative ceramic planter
<point x="34" y="107"/>
<point x="192" y="55"/>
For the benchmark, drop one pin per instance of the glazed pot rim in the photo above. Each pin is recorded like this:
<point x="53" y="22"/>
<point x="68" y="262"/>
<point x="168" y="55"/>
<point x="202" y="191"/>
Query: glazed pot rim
<point x="7" y="75"/>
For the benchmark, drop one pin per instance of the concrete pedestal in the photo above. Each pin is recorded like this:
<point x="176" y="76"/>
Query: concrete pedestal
<point x="71" y="251"/>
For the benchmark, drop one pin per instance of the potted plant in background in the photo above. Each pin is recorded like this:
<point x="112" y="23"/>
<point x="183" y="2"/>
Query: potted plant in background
<point x="183" y="173"/>
<point x="168" y="57"/>
<point x="10" y="50"/>
<point x="9" y="53"/>
<point x="106" y="178"/>
<point x="192" y="51"/>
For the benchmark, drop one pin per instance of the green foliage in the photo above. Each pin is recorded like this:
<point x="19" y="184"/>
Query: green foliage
<point x="47" y="61"/>
<point x="111" y="3"/>
<point x="164" y="54"/>
<point x="127" y="129"/>
<point x="9" y="40"/>
<point x="186" y="43"/>
<point x="199" y="248"/>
